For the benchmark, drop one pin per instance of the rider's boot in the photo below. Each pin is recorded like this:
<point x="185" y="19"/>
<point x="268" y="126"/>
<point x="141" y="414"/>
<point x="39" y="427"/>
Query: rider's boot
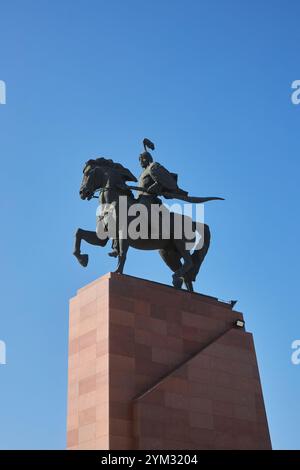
<point x="113" y="253"/>
<point x="115" y="249"/>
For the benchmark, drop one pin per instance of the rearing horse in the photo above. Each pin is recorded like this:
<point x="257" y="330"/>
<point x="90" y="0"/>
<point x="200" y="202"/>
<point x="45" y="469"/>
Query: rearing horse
<point x="111" y="183"/>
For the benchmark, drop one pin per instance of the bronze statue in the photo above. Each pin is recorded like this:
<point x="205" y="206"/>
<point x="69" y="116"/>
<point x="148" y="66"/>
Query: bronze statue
<point x="111" y="179"/>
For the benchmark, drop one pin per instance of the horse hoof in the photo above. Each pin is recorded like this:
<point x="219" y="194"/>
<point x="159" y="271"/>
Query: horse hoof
<point x="118" y="271"/>
<point x="83" y="260"/>
<point x="177" y="281"/>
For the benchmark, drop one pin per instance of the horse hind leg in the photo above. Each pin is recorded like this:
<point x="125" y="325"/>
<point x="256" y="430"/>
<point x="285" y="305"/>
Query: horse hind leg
<point x="188" y="283"/>
<point x="182" y="273"/>
<point x="173" y="260"/>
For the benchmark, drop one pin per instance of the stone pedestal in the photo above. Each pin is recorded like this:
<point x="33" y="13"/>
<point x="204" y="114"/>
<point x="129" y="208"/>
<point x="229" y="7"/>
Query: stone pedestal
<point x="151" y="367"/>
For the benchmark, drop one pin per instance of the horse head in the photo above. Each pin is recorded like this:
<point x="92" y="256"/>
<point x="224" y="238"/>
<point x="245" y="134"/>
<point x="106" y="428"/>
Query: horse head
<point x="102" y="172"/>
<point x="91" y="180"/>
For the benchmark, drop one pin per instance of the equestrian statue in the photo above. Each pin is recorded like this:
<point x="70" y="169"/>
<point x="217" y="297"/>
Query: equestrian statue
<point x="144" y="222"/>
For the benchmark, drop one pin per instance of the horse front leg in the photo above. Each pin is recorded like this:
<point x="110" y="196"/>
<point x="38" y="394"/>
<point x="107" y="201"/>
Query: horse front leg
<point x="123" y="249"/>
<point x="90" y="237"/>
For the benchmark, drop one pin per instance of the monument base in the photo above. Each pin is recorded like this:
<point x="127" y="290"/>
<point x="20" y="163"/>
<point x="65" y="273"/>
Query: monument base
<point x="152" y="367"/>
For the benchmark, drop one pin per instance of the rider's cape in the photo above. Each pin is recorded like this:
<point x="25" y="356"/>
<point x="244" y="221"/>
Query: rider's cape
<point x="170" y="188"/>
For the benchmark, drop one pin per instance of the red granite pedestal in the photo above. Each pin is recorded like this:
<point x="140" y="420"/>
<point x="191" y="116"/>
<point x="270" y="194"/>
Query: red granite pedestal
<point x="151" y="367"/>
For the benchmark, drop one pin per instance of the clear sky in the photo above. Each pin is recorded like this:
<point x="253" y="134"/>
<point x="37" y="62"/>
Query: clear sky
<point x="209" y="81"/>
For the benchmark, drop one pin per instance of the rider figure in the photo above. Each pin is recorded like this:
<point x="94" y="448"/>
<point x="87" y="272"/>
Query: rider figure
<point x="154" y="180"/>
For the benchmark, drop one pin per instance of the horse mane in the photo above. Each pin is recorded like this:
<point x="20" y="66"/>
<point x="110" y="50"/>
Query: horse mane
<point x="107" y="163"/>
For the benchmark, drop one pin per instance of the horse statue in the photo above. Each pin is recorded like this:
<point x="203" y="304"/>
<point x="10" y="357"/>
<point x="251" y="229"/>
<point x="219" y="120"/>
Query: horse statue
<point x="110" y="179"/>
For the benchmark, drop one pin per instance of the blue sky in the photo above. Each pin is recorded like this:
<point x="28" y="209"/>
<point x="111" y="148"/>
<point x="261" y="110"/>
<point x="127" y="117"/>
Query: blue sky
<point x="209" y="82"/>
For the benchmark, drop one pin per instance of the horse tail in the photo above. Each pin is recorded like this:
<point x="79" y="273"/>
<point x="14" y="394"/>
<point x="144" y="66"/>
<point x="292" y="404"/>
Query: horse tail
<point x="199" y="255"/>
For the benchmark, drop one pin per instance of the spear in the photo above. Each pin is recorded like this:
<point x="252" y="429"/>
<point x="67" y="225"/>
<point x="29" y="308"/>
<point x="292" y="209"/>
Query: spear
<point x="182" y="197"/>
